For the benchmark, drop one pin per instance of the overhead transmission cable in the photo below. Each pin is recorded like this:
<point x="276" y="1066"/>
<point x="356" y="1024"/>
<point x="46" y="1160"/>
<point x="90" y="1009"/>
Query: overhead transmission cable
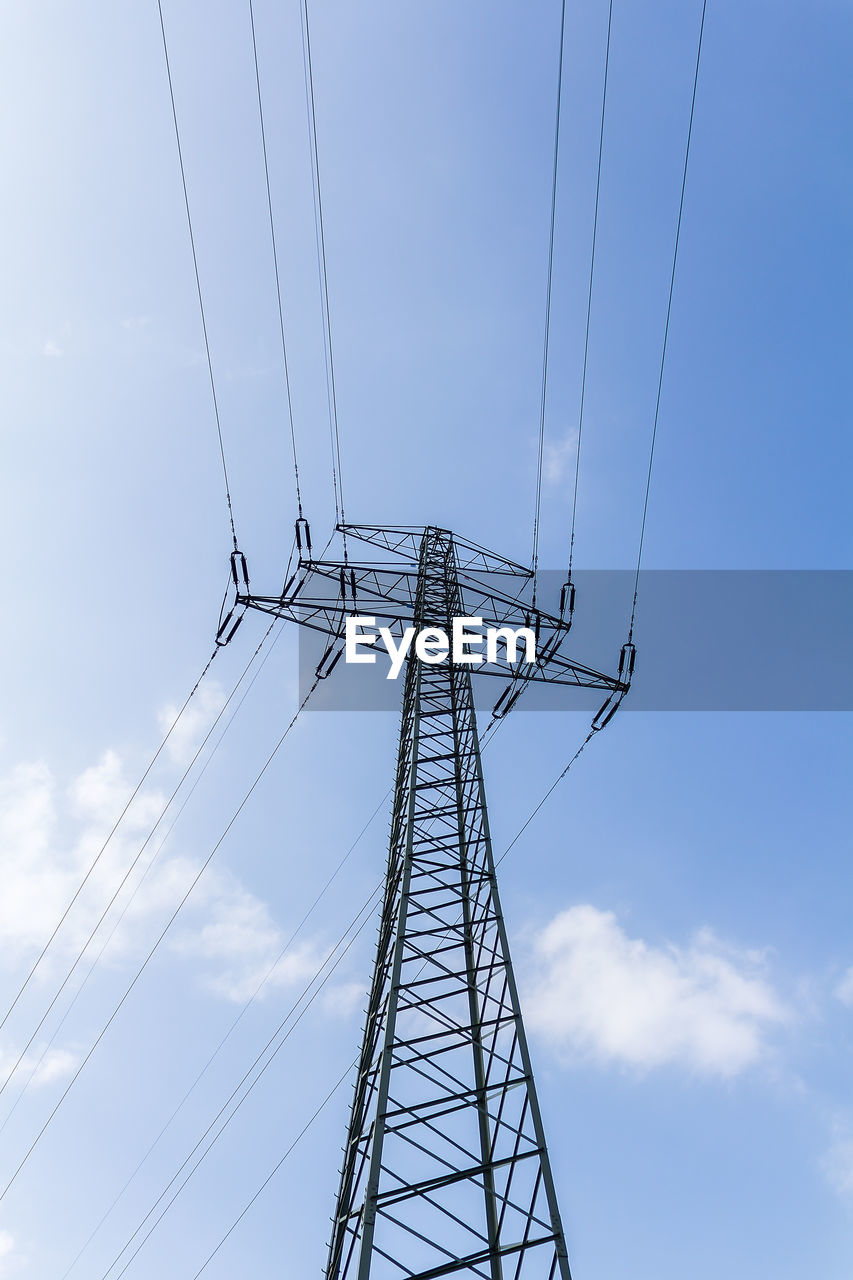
<point x="160" y="938"/>
<point x="265" y="1049"/>
<point x="550" y="277"/>
<point x="231" y="1029"/>
<point x="129" y="870"/>
<point x="334" y="433"/>
<point x="589" y="292"/>
<point x="197" y="278"/>
<point x="330" y="964"/>
<point x="149" y="867"/>
<point x="106" y="842"/>
<point x="268" y="1179"/>
<point x="666" y="326"/>
<point x="275" y="261"/>
<point x="553" y="787"/>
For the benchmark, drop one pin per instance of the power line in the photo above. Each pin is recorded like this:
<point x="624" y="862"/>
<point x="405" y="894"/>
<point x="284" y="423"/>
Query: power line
<point x="666" y="326"/>
<point x="547" y="796"/>
<point x="160" y="938"/>
<point x="245" y="1008"/>
<point x="589" y="291"/>
<point x="219" y="1047"/>
<point x="356" y="926"/>
<point x="133" y="864"/>
<point x="276" y="1168"/>
<point x="197" y="278"/>
<point x="275" y="261"/>
<point x="137" y="887"/>
<point x="334" y="434"/>
<point x="103" y="847"/>
<point x="546" y="344"/>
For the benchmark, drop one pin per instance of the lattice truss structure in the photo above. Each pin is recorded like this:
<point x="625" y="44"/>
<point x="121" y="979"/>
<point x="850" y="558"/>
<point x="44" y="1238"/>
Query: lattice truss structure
<point x="445" y="1169"/>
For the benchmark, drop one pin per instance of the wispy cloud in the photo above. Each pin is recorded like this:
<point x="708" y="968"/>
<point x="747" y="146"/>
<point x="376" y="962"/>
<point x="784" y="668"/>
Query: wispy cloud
<point x="844" y="990"/>
<point x="344" y="999"/>
<point x="188" y="733"/>
<point x="42" y="1066"/>
<point x="602" y="995"/>
<point x="51" y="349"/>
<point x="558" y="460"/>
<point x="838" y="1161"/>
<point x="12" y="1261"/>
<point x="239" y="942"/>
<point x="50" y="835"/>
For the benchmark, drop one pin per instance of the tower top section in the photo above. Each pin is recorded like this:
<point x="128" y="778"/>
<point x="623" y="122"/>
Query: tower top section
<point x="323" y="591"/>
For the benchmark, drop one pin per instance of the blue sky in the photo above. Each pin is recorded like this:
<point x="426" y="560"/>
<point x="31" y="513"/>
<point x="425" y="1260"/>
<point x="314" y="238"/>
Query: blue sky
<point x="679" y="910"/>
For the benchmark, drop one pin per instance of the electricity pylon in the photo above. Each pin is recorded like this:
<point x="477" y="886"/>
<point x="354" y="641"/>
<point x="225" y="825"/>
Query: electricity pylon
<point x="446" y="1169"/>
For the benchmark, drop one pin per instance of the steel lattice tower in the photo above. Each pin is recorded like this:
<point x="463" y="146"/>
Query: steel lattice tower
<point x="446" y="1169"/>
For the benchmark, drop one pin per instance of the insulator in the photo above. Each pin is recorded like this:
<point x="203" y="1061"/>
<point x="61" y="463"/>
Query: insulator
<point x="507" y="701"/>
<point x="567" y="599"/>
<point x="343" y="578"/>
<point x="224" y="624"/>
<point x="352" y="583"/>
<point x="303" y="537"/>
<point x="289" y="591"/>
<point x="239" y="569"/>
<point x="627" y="659"/>
<point x="606" y="712"/>
<point x="329" y="661"/>
<point x="228" y="628"/>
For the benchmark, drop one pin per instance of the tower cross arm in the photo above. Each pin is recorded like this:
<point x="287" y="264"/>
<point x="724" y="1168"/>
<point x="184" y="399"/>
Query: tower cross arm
<point x="322" y="594"/>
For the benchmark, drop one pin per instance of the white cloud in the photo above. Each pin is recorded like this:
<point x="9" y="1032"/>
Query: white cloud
<point x="135" y="322"/>
<point x="99" y="794"/>
<point x="51" y="350"/>
<point x="844" y="990"/>
<point x="45" y="1067"/>
<point x="50" y="837"/>
<point x="240" y="938"/>
<point x="602" y="995"/>
<point x="188" y="733"/>
<point x="10" y="1260"/>
<point x="838" y="1161"/>
<point x="558" y="460"/>
<point x="57" y="1064"/>
<point x="37" y="876"/>
<point x="344" y="999"/>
